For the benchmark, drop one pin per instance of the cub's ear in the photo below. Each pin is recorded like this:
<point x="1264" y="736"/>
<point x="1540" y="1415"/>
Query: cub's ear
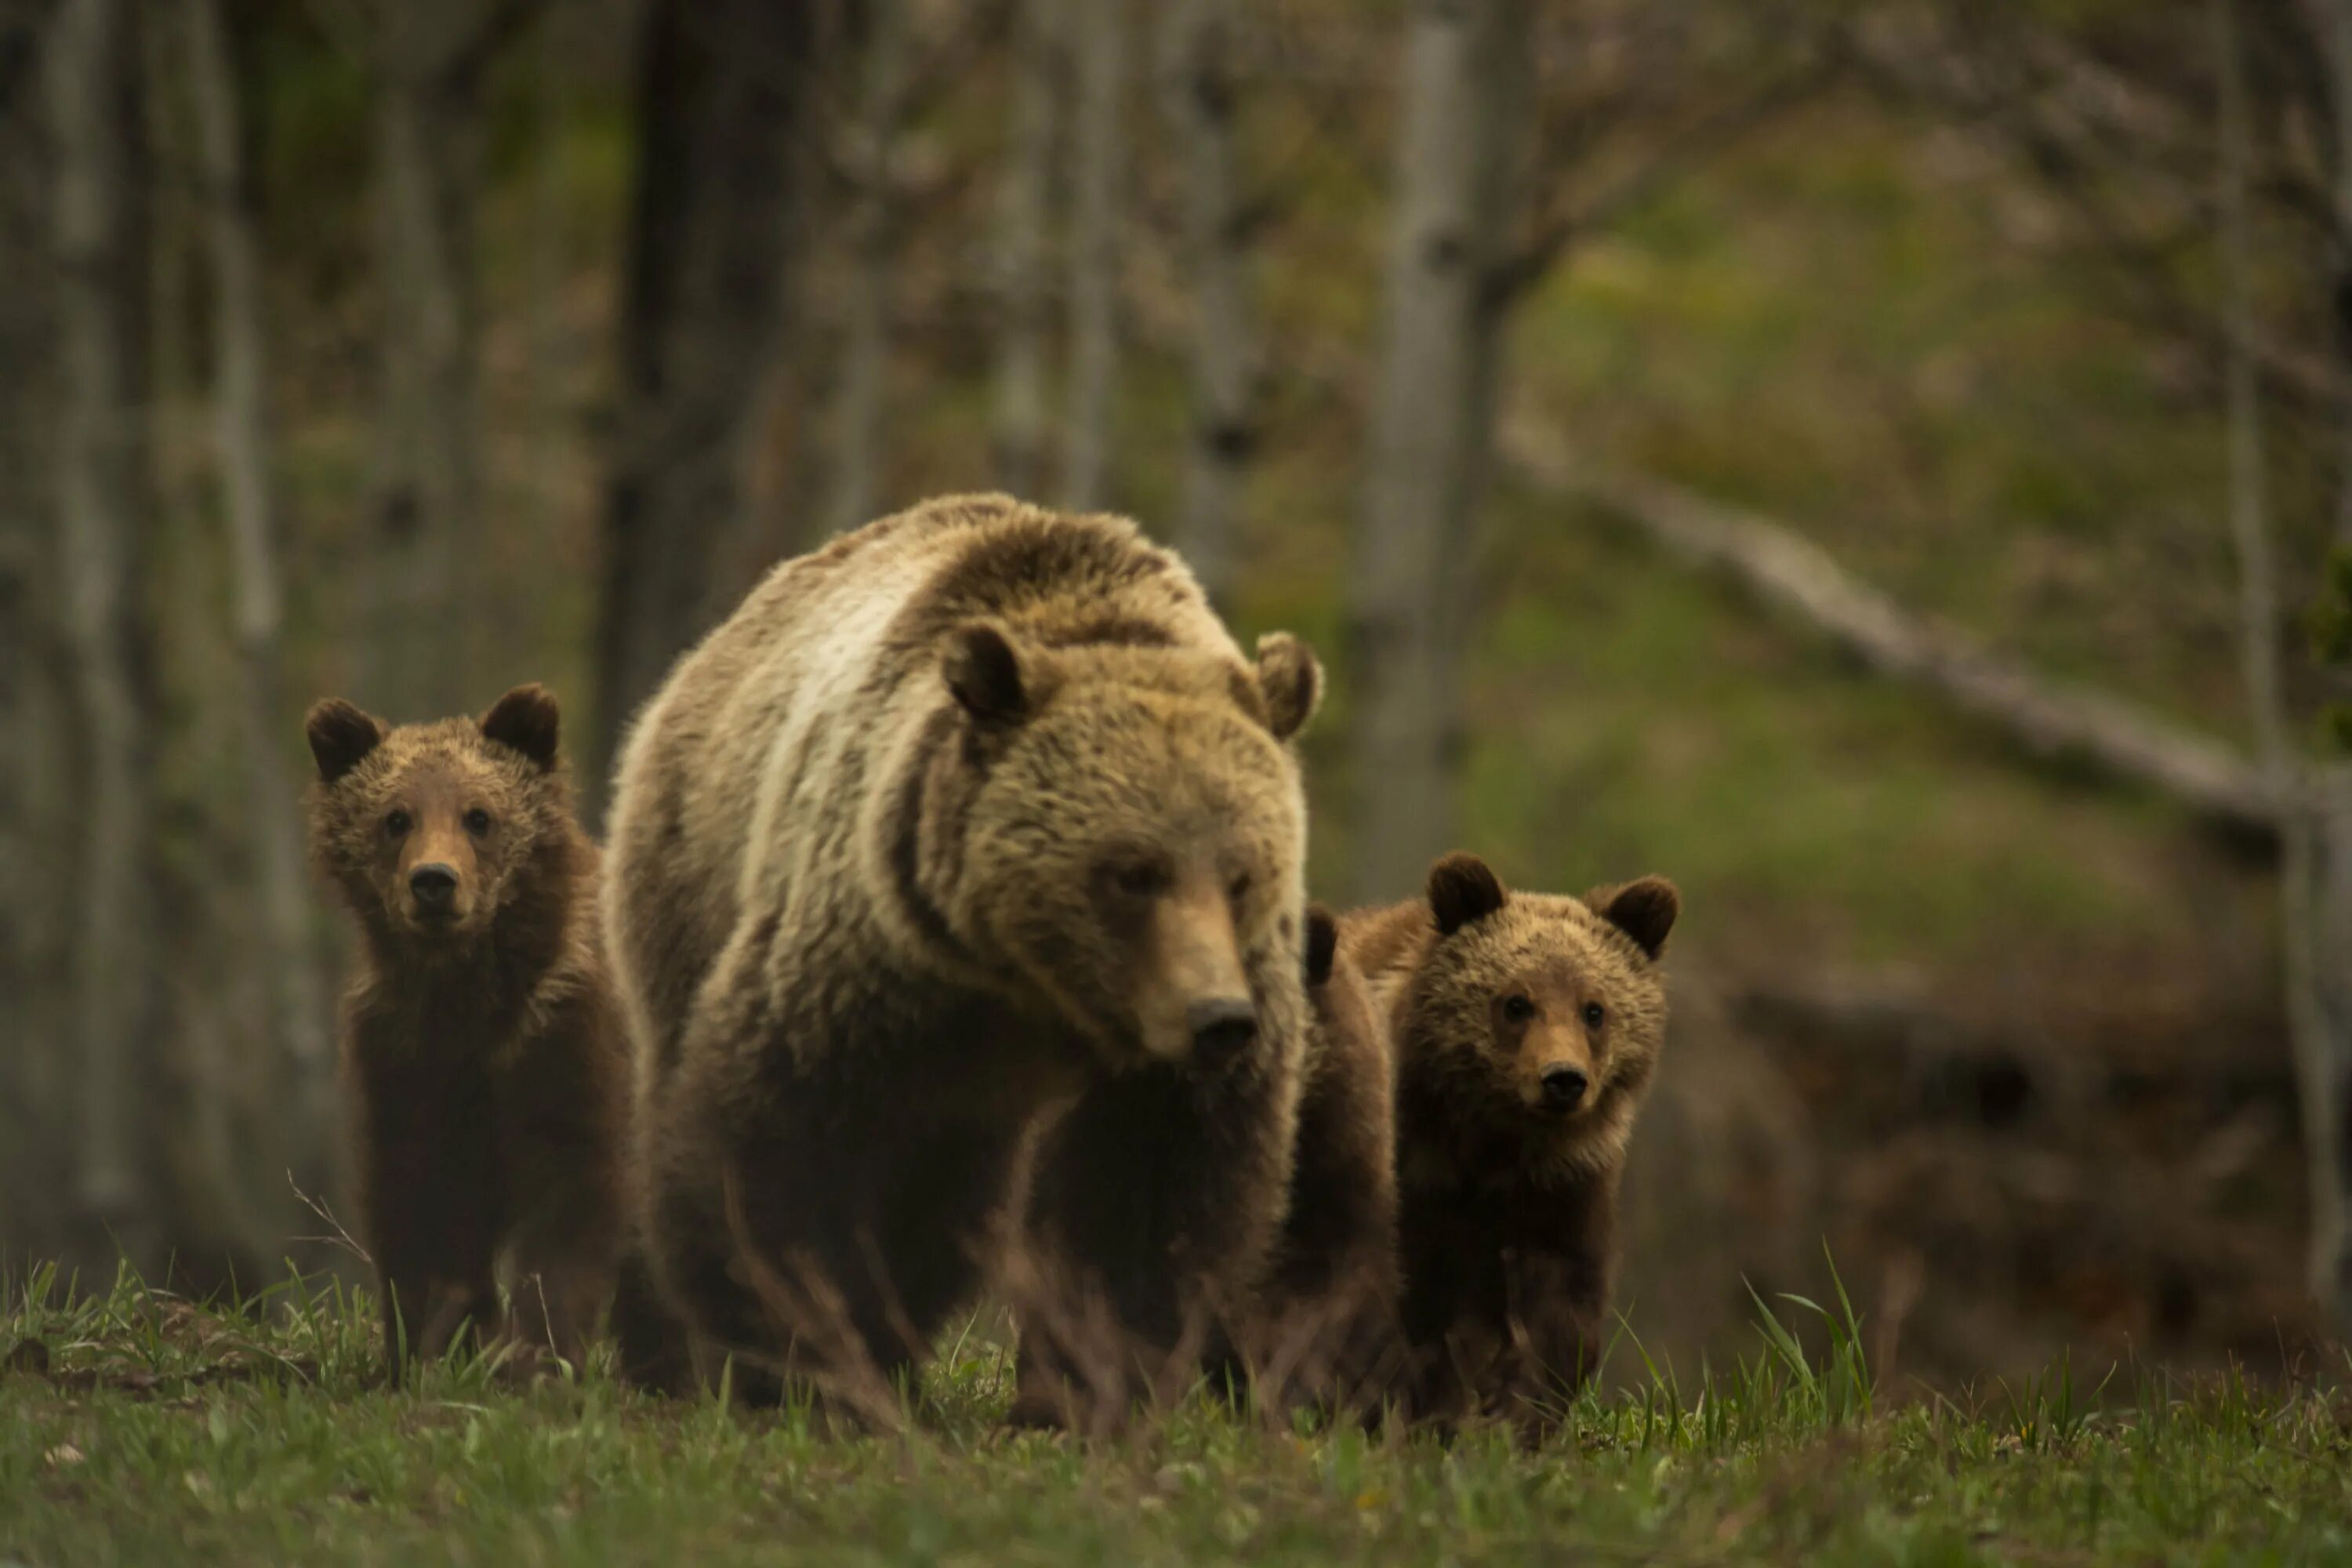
<point x="1322" y="943"/>
<point x="528" y="720"/>
<point x="341" y="737"/>
<point x="1644" y="909"/>
<point x="1291" y="680"/>
<point x="1461" y="888"/>
<point x="984" y="670"/>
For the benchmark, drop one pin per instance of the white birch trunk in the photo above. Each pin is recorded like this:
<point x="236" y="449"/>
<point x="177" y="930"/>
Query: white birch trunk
<point x="863" y="399"/>
<point x="289" y="1090"/>
<point x="429" y="459"/>
<point x="91" y="71"/>
<point x="1199" y="90"/>
<point x="1461" y="127"/>
<point x="2315" y="881"/>
<point x="1098" y="148"/>
<point x="1024" y="216"/>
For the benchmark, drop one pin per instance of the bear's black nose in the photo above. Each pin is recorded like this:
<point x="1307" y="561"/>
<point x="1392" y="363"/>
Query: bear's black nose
<point x="1222" y="1030"/>
<point x="433" y="886"/>
<point x="1564" y="1088"/>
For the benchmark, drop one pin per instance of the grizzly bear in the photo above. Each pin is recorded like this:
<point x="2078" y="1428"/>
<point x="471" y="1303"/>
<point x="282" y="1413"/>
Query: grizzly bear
<point x="1527" y="1028"/>
<point x="482" y="1049"/>
<point x="973" y="819"/>
<point x="1324" y="1332"/>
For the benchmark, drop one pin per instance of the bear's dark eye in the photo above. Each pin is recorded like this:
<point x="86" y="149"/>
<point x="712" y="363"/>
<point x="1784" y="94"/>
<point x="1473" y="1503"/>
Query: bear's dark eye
<point x="1594" y="1014"/>
<point x="478" y="822"/>
<point x="396" y="823"/>
<point x="1519" y="1009"/>
<point x="1137" y="876"/>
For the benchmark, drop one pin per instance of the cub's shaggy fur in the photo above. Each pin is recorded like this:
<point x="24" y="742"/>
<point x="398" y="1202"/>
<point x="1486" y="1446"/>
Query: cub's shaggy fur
<point x="482" y="1047"/>
<point x="1326" y="1331"/>
<point x="974" y="814"/>
<point x="1526" y="1028"/>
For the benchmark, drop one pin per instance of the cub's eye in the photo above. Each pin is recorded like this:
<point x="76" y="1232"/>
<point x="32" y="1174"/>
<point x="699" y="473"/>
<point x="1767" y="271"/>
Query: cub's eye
<point x="478" y="822"/>
<point x="1519" y="1009"/>
<point x="397" y="825"/>
<point x="1238" y="888"/>
<point x="1594" y="1014"/>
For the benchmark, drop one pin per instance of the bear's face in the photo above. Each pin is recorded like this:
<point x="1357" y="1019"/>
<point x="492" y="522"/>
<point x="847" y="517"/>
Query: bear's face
<point x="1541" y="1016"/>
<point x="429" y="829"/>
<point x="1131" y="833"/>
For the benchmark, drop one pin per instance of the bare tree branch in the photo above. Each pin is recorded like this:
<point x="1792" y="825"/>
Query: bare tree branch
<point x="1789" y="572"/>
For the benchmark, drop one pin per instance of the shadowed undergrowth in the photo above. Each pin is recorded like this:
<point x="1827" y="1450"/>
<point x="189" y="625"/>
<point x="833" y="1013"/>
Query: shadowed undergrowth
<point x="138" y="1427"/>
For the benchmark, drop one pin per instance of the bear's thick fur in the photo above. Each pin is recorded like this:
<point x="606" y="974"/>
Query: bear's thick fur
<point x="1527" y="1028"/>
<point x="974" y="815"/>
<point x="482" y="1047"/>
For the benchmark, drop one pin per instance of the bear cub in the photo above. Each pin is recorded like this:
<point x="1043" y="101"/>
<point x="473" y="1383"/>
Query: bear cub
<point x="484" y="1063"/>
<point x="1527" y="1028"/>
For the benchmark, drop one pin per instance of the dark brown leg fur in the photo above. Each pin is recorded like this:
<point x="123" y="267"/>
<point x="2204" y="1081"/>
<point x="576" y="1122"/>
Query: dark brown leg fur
<point x="1329" y="1335"/>
<point x="654" y="1350"/>
<point x="817" y="1243"/>
<point x="432" y="1203"/>
<point x="561" y="1115"/>
<point x="1507" y="1300"/>
<point x="1155" y="1204"/>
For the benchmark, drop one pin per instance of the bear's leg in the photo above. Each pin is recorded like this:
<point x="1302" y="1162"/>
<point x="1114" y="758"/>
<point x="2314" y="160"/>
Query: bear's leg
<point x="1329" y="1336"/>
<point x="1156" y="1203"/>
<point x="1558" y="1301"/>
<point x="430" y="1211"/>
<point x="428" y="1307"/>
<point x="825" y="1251"/>
<point x="558" y="1135"/>
<point x="1456" y="1305"/>
<point x="655" y="1350"/>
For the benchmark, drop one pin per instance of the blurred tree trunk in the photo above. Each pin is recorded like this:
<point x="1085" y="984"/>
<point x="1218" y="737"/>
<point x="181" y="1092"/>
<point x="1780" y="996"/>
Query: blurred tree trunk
<point x="2331" y="22"/>
<point x="2325" y="1063"/>
<point x="429" y="57"/>
<point x="1199" y="89"/>
<point x="36" y="786"/>
<point x="1024" y="216"/>
<point x="863" y="400"/>
<point x="1100" y="147"/>
<point x="285" y="1086"/>
<point x="722" y="91"/>
<point x="1463" y="127"/>
<point x="2315" y="877"/>
<point x="95" y="129"/>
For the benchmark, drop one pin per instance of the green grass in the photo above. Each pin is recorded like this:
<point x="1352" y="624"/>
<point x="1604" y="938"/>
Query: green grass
<point x="257" y="1432"/>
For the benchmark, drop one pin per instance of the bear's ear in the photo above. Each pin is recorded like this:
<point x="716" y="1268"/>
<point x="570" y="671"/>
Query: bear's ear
<point x="1461" y="888"/>
<point x="1291" y="680"/>
<point x="341" y="737"/>
<point x="528" y="720"/>
<point x="1322" y="943"/>
<point x="984" y="670"/>
<point x="1644" y="909"/>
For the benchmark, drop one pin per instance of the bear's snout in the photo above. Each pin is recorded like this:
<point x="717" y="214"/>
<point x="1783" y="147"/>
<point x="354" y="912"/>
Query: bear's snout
<point x="1222" y="1028"/>
<point x="1564" y="1087"/>
<point x="434" y="887"/>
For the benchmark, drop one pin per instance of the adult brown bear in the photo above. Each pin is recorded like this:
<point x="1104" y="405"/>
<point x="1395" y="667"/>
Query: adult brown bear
<point x="974" y="816"/>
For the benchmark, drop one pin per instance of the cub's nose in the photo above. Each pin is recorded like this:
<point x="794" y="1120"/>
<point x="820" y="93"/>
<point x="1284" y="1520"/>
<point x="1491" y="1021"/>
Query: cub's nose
<point x="1564" y="1088"/>
<point x="1222" y="1030"/>
<point x="433" y="886"/>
